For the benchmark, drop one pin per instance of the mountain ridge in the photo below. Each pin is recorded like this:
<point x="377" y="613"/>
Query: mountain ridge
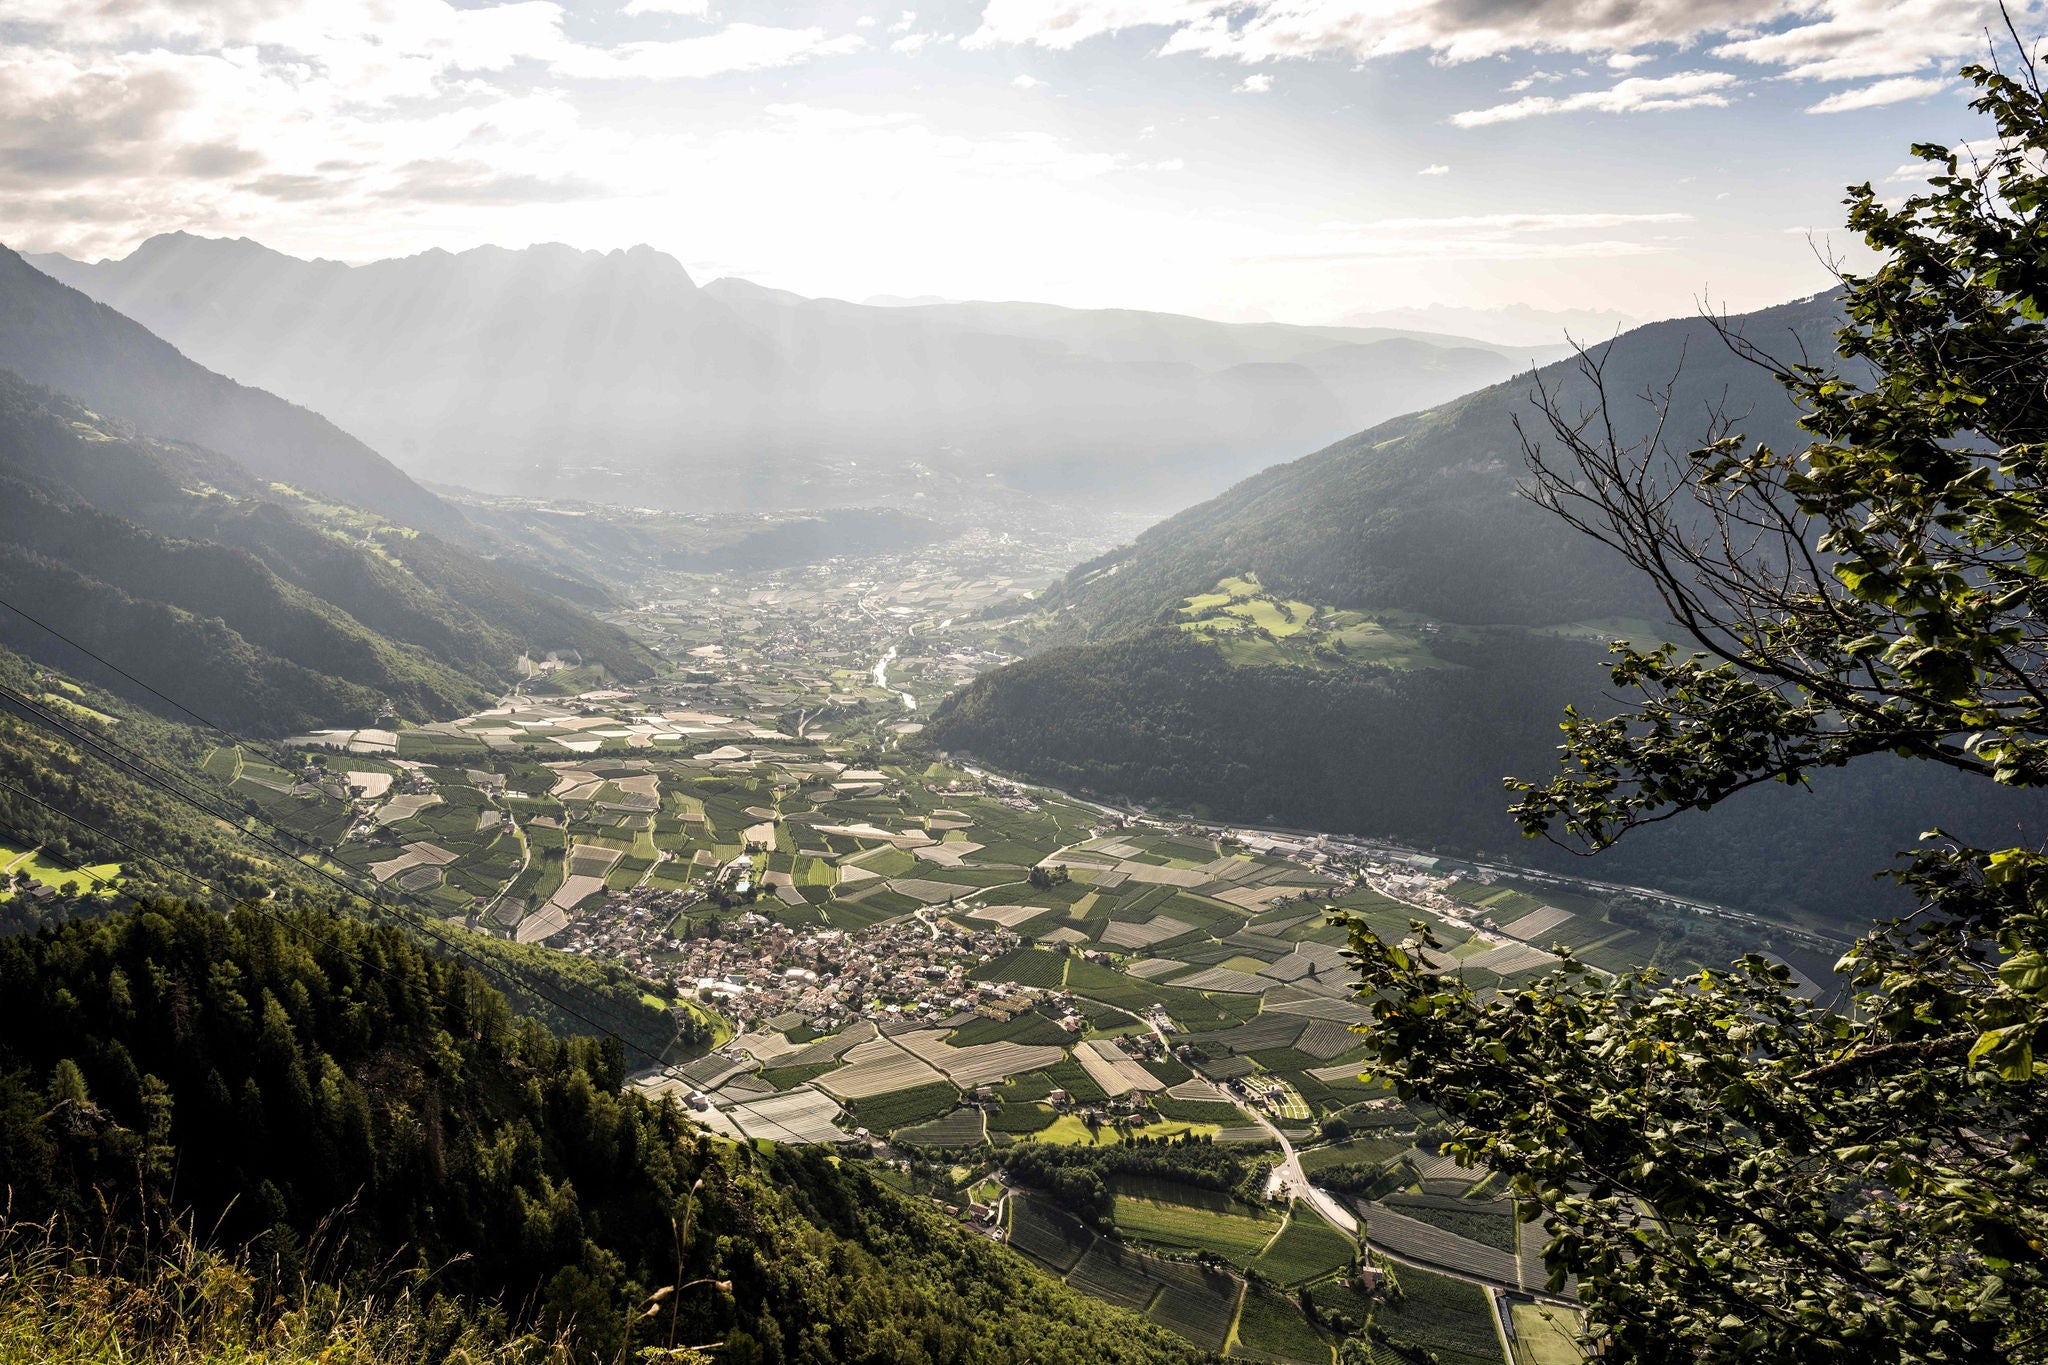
<point x="55" y="335"/>
<point x="543" y="369"/>
<point x="1370" y="638"/>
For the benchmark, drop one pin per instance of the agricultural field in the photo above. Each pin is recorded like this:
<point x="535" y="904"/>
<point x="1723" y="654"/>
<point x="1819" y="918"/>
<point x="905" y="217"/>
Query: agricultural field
<point x="1308" y="1248"/>
<point x="1238" y="1236"/>
<point x="1271" y="1328"/>
<point x="884" y="939"/>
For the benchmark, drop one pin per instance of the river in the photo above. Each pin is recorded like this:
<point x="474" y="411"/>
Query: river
<point x="882" y="678"/>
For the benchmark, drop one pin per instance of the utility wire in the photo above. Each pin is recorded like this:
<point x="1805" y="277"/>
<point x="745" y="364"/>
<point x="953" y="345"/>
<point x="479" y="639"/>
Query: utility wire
<point x="425" y="924"/>
<point x="121" y="844"/>
<point x="110" y="664"/>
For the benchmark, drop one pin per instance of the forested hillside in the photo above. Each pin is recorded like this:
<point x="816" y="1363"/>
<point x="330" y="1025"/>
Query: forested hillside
<point x="1371" y="638"/>
<point x="188" y="572"/>
<point x="52" y="334"/>
<point x="1421" y="514"/>
<point x="259" y="1072"/>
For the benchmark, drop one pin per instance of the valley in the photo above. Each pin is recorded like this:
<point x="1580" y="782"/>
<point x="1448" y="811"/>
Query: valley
<point x="961" y="975"/>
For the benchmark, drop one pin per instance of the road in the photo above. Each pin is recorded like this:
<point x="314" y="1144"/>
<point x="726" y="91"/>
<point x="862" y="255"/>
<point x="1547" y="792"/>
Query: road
<point x="1289" y="1178"/>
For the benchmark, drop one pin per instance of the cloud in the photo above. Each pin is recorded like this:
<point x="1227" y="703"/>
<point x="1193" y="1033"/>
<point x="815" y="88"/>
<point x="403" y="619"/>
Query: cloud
<point x="1637" y="94"/>
<point x="687" y="9"/>
<point x="1065" y="24"/>
<point x="907" y="22"/>
<point x="1437" y="168"/>
<point x="1494" y="224"/>
<point x="1258" y="83"/>
<point x="1487" y="237"/>
<point x="734" y="48"/>
<point x="1802" y="39"/>
<point x="1882" y="92"/>
<point x="1027" y="82"/>
<point x="445" y="181"/>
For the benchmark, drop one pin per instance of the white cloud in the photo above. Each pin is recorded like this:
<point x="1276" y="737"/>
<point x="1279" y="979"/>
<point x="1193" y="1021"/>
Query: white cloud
<point x="907" y="22"/>
<point x="1063" y="24"/>
<point x="1024" y="81"/>
<point x="1637" y="94"/>
<point x="1437" y="168"/>
<point x="1487" y="237"/>
<point x="1881" y="92"/>
<point x="913" y="43"/>
<point x="1494" y="224"/>
<point x="687" y="9"/>
<point x="1258" y="83"/>
<point x="734" y="48"/>
<point x="1804" y="39"/>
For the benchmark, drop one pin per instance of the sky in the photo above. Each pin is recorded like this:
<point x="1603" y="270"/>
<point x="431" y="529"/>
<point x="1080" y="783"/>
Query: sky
<point x="1301" y="160"/>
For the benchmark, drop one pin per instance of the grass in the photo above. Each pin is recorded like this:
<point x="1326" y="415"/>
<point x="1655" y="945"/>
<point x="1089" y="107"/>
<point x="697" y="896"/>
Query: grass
<point x="49" y="873"/>
<point x="1237" y="1237"/>
<point x="1308" y="1248"/>
<point x="81" y="1310"/>
<point x="1546" y="1335"/>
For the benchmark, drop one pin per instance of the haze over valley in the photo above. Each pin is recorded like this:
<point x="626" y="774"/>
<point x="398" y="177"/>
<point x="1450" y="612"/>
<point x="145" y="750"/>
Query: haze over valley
<point x="1148" y="683"/>
<point x="588" y="374"/>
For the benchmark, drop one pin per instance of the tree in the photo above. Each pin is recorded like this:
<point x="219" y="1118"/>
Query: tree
<point x="1732" y="1172"/>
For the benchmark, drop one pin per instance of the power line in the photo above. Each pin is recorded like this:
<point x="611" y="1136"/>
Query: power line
<point x="108" y="663"/>
<point x="81" y="868"/>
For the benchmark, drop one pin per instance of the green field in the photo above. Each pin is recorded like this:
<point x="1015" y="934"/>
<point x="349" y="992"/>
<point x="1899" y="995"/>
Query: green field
<point x="48" y="872"/>
<point x="1047" y="1234"/>
<point x="1308" y="1248"/>
<point x="1237" y="1237"/>
<point x="961" y="1128"/>
<point x="1270" y="1328"/>
<point x="1438" y="1315"/>
<point x="1546" y="1335"/>
<point x="1025" y="967"/>
<point x="901" y="1108"/>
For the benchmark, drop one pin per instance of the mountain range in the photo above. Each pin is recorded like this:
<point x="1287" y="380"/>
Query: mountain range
<point x="553" y="371"/>
<point x="236" y="553"/>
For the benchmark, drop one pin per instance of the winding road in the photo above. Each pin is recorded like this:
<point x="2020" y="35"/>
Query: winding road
<point x="1289" y="1179"/>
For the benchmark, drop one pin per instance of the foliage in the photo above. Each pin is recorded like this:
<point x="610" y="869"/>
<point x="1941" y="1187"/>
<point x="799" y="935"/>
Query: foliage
<point x="272" y="1076"/>
<point x="1734" y="1172"/>
<point x="1158" y="718"/>
<point x="1077" y="1178"/>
